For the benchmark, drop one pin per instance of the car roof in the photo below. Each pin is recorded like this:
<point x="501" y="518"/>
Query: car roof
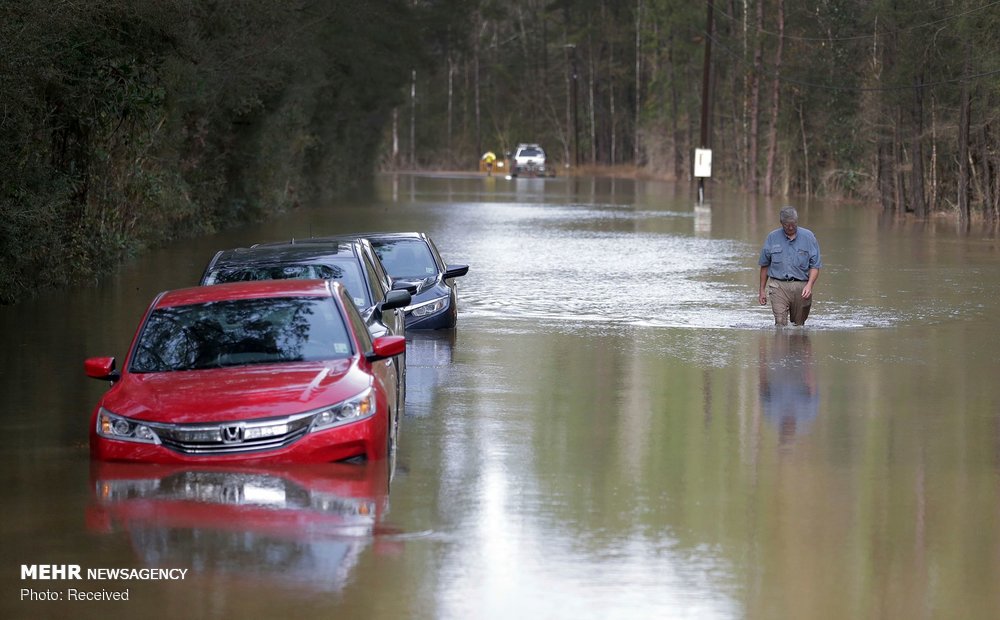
<point x="347" y="238"/>
<point x="259" y="289"/>
<point x="284" y="252"/>
<point x="337" y="241"/>
<point x="388" y="236"/>
<point x="368" y="237"/>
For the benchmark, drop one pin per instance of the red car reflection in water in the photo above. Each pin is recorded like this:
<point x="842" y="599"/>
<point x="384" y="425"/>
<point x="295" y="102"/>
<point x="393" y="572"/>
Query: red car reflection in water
<point x="304" y="525"/>
<point x="280" y="371"/>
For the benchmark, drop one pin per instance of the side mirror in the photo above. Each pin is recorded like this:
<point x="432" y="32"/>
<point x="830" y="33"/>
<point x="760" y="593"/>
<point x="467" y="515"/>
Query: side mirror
<point x="455" y="271"/>
<point x="396" y="299"/>
<point x="102" y="368"/>
<point x="386" y="346"/>
<point x="403" y="285"/>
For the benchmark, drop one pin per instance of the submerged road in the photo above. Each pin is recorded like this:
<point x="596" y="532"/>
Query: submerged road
<point x="615" y="429"/>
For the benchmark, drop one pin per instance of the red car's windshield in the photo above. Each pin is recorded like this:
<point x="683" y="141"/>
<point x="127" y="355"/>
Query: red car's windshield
<point x="239" y="332"/>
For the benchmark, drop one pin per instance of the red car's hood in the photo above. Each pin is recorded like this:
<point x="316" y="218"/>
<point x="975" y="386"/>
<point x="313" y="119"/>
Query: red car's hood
<point x="238" y="393"/>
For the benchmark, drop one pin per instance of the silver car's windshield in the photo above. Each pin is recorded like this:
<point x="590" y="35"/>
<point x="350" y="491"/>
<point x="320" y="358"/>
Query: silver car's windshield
<point x="347" y="272"/>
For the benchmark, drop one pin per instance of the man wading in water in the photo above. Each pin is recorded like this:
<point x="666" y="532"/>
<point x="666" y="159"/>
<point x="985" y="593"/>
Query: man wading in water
<point x="789" y="265"/>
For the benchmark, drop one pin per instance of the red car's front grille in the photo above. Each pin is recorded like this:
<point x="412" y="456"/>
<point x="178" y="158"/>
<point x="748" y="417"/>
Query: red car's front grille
<point x="230" y="438"/>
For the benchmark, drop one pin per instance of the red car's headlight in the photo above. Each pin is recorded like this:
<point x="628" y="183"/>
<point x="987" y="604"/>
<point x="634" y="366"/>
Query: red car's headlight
<point x="350" y="410"/>
<point x="114" y="426"/>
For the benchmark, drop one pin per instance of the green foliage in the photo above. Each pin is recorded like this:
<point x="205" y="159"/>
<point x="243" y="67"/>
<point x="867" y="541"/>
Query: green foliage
<point x="128" y="124"/>
<point x="125" y="124"/>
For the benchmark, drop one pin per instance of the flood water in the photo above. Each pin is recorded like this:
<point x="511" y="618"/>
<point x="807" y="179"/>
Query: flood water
<point x="614" y="430"/>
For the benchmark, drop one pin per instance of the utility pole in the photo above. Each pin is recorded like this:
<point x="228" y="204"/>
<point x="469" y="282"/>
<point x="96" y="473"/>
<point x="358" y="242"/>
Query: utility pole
<point x="706" y="92"/>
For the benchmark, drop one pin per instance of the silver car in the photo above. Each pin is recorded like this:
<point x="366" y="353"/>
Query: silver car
<point x="529" y="160"/>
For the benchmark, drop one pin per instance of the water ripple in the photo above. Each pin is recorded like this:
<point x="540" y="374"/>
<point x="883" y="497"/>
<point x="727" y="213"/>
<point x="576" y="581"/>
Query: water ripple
<point x="617" y="264"/>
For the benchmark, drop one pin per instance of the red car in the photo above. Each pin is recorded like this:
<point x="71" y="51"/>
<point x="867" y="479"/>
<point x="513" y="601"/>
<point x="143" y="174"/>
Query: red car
<point x="276" y="371"/>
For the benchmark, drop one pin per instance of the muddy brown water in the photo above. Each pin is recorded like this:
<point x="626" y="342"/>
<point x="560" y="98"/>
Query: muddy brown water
<point x="613" y="430"/>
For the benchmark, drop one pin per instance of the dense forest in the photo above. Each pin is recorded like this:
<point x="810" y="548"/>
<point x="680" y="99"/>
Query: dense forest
<point x="887" y="101"/>
<point x="126" y="124"/>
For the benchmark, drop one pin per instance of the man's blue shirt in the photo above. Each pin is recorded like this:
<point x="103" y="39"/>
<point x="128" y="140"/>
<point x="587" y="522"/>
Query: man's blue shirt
<point x="793" y="259"/>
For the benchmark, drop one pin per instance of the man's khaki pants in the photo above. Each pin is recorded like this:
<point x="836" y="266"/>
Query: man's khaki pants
<point x="786" y="301"/>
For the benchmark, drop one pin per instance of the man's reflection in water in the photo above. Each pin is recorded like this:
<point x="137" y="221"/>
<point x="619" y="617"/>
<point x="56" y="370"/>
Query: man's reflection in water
<point x="788" y="392"/>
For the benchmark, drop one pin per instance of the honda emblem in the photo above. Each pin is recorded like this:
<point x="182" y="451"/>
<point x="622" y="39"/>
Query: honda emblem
<point x="232" y="434"/>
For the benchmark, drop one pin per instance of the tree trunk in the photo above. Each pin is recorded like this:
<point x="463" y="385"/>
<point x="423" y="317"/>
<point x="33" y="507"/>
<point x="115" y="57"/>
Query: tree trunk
<point x="451" y="102"/>
<point x="395" y="138"/>
<point x="592" y="87"/>
<point x="917" y="147"/>
<point x="932" y="201"/>
<point x="752" y="137"/>
<point x="805" y="152"/>
<point x="989" y="171"/>
<point x="576" y="109"/>
<point x="680" y="146"/>
<point x="567" y="50"/>
<point x="706" y="81"/>
<point x="738" y="139"/>
<point x="772" y="140"/>
<point x="885" y="163"/>
<point x="466" y="89"/>
<point x="884" y="175"/>
<point x="965" y="111"/>
<point x="545" y="49"/>
<point x="991" y="208"/>
<point x="611" y="103"/>
<point x="741" y="95"/>
<point x="899" y="160"/>
<point x="638" y="81"/>
<point x="413" y="119"/>
<point x="475" y="88"/>
<point x="786" y="177"/>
